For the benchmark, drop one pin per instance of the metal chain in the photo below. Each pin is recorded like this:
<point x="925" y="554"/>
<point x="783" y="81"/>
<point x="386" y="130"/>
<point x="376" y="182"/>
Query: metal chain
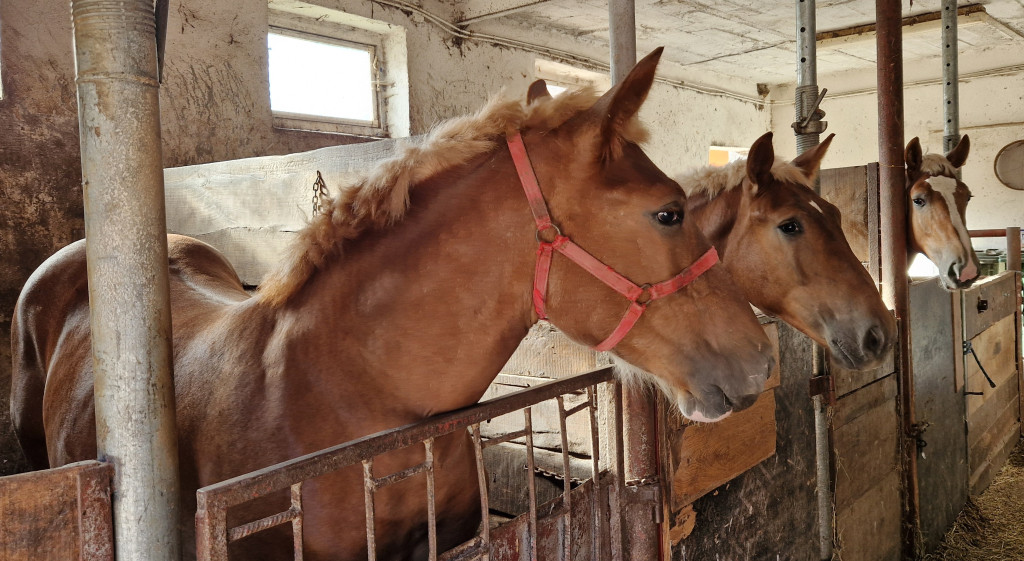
<point x="555" y="475"/>
<point x="320" y="194"/>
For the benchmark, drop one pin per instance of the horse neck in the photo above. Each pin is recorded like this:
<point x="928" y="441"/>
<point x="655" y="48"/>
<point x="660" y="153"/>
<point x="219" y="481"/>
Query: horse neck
<point x="426" y="313"/>
<point x="716" y="216"/>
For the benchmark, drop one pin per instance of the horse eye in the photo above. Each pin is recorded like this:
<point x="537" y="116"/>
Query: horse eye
<point x="668" y="217"/>
<point x="791" y="227"/>
<point x="918" y="201"/>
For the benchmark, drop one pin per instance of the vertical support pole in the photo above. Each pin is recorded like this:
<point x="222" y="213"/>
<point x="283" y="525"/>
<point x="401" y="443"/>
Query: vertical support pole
<point x="640" y="423"/>
<point x="807" y="137"/>
<point x="950" y="77"/>
<point x="622" y="37"/>
<point x="122" y="178"/>
<point x="893" y="203"/>
<point x="1013" y="248"/>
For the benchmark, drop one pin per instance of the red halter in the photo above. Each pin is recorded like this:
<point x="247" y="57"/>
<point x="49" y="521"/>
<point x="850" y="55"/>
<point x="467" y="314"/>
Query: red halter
<point x="639" y="296"/>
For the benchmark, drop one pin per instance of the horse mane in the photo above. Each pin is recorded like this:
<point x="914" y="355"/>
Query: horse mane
<point x="381" y="198"/>
<point x="713" y="181"/>
<point x="937" y="165"/>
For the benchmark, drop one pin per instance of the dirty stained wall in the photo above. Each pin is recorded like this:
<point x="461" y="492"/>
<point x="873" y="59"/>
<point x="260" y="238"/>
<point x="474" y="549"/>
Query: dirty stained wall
<point x="215" y="106"/>
<point x="991" y="112"/>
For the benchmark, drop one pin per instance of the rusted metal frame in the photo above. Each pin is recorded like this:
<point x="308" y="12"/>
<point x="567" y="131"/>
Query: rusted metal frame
<point x="618" y="481"/>
<point x="895" y="285"/>
<point x="531" y="481"/>
<point x="521" y="433"/>
<point x="371" y="484"/>
<point x="566" y="483"/>
<point x="597" y="505"/>
<point x="96" y="540"/>
<point x="485" y="507"/>
<point x="368" y="503"/>
<point x="992" y="233"/>
<point x="214" y="500"/>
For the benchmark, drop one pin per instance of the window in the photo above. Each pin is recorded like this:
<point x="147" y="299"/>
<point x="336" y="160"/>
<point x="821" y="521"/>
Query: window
<point x="719" y="156"/>
<point x="335" y="72"/>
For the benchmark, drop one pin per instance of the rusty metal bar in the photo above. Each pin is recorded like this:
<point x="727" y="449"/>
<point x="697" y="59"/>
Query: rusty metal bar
<point x="431" y="513"/>
<point x="123" y="189"/>
<point x="597" y="505"/>
<point x="531" y="480"/>
<point x="566" y="483"/>
<point x="368" y="492"/>
<point x="618" y="483"/>
<point x="1013" y="248"/>
<point x="297" y="521"/>
<point x="895" y="285"/>
<point x="522" y="433"/>
<point x="485" y="507"/>
<point x="211" y="527"/>
<point x="245" y="530"/>
<point x="577" y="409"/>
<point x="990" y="233"/>
<point x="399" y="475"/>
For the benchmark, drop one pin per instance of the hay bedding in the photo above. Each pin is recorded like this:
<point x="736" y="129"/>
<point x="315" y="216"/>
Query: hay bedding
<point x="991" y="526"/>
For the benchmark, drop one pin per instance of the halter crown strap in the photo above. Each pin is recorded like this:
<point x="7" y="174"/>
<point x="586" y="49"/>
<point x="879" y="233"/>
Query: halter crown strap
<point x="639" y="296"/>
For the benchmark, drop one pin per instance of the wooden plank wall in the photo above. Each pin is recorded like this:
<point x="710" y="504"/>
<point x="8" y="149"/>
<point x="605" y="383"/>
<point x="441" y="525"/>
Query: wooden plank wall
<point x="60" y="514"/>
<point x="768" y="511"/>
<point x="993" y="414"/>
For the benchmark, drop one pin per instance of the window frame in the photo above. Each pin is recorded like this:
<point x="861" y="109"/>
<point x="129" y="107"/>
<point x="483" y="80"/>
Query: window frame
<point x="281" y="23"/>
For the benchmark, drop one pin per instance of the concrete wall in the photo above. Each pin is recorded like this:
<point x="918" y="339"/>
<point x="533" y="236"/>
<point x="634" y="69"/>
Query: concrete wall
<point x="215" y="106"/>
<point x="991" y="112"/>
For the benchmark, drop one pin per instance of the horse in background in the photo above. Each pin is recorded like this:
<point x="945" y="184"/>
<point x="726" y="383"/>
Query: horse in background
<point x="786" y="250"/>
<point x="937" y="213"/>
<point x="404" y="299"/>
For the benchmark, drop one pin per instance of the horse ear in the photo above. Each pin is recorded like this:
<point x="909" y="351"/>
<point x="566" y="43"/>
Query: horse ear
<point x="958" y="155"/>
<point x="617" y="108"/>
<point x="913" y="157"/>
<point x="760" y="160"/>
<point x="810" y="161"/>
<point x="538" y="90"/>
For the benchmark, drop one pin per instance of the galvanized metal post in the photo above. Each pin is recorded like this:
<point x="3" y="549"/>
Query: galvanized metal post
<point x="808" y="127"/>
<point x="893" y="203"/>
<point x="622" y="37"/>
<point x="122" y="178"/>
<point x="950" y="77"/>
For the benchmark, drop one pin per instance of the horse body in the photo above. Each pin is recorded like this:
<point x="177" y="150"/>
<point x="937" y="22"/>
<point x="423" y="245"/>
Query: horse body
<point x="400" y="303"/>
<point x="937" y="213"/>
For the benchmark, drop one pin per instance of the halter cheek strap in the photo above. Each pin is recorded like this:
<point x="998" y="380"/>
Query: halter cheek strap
<point x="639" y="296"/>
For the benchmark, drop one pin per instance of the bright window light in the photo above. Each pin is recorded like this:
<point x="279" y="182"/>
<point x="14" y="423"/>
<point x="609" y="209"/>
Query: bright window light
<point x="321" y="79"/>
<point x="922" y="267"/>
<point x="555" y="91"/>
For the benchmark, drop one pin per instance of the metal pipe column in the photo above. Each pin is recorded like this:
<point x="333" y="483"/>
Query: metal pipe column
<point x="950" y="77"/>
<point x="893" y="203"/>
<point x="122" y="179"/>
<point x="808" y="127"/>
<point x="639" y="419"/>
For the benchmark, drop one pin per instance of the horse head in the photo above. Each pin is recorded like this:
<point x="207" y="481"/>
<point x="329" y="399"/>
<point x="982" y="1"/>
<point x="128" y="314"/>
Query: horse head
<point x="701" y="344"/>
<point x="937" y="205"/>
<point x="786" y="249"/>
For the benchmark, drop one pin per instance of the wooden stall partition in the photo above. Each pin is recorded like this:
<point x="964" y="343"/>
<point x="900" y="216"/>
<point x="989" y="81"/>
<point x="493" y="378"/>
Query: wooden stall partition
<point x="60" y="514"/>
<point x="939" y="407"/>
<point x="991" y="320"/>
<point x="750" y="506"/>
<point x="854" y="190"/>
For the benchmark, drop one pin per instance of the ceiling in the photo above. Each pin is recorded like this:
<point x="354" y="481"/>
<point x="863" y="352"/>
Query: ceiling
<point x="733" y="45"/>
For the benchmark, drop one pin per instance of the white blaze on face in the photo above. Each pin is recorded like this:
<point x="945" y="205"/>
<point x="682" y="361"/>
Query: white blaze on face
<point x="946" y="187"/>
<point x="818" y="208"/>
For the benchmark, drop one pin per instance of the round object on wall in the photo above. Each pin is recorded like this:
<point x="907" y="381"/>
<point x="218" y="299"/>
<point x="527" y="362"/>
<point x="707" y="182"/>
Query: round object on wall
<point x="1009" y="165"/>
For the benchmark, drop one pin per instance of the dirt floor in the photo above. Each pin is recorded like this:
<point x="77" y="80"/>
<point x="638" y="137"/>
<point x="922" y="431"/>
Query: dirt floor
<point x="991" y="526"/>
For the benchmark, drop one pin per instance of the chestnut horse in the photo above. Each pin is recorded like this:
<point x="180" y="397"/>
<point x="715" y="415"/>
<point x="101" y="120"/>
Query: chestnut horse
<point x="937" y="209"/>
<point x="786" y="250"/>
<point x="404" y="299"/>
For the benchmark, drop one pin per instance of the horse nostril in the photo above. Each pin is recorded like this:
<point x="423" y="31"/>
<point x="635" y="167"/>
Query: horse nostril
<point x="874" y="341"/>
<point x="742" y="402"/>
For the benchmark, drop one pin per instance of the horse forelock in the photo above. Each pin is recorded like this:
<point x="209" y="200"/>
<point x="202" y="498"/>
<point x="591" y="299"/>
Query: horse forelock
<point x="382" y="197"/>
<point x="713" y="181"/>
<point x="937" y="165"/>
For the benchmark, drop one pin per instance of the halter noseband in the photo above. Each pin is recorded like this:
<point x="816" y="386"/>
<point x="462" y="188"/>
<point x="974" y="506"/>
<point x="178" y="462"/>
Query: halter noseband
<point x="639" y="296"/>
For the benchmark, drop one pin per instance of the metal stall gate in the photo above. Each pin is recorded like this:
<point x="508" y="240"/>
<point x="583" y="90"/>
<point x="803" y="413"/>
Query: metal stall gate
<point x="589" y="519"/>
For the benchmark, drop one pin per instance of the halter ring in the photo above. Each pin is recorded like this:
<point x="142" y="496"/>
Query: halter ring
<point x="558" y="233"/>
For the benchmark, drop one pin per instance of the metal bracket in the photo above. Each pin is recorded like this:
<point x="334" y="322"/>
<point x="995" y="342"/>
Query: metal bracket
<point x="647" y="490"/>
<point x="812" y="122"/>
<point x="825" y="386"/>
